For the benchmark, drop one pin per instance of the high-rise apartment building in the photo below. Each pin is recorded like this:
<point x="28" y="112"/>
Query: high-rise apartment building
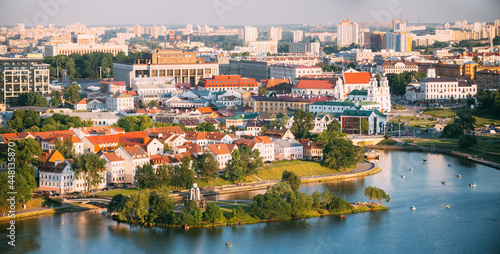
<point x="275" y="33"/>
<point x="248" y="33"/>
<point x="138" y="30"/>
<point x="399" y="41"/>
<point x="298" y="36"/>
<point x="22" y="75"/>
<point x="347" y="33"/>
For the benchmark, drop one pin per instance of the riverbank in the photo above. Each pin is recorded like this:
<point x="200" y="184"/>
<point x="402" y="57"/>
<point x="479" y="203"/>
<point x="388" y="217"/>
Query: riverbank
<point x="449" y="152"/>
<point x="362" y="170"/>
<point x="49" y="211"/>
<point x="249" y="219"/>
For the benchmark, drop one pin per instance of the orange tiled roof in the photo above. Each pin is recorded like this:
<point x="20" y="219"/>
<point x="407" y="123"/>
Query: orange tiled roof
<point x="113" y="157"/>
<point x="357" y="77"/>
<point x="205" y="110"/>
<point x="220" y="149"/>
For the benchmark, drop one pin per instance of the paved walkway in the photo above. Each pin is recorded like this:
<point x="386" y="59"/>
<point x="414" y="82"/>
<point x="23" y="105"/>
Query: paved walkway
<point x="21" y="211"/>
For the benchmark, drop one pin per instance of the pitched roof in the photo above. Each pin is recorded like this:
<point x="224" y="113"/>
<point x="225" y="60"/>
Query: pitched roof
<point x="205" y="110"/>
<point x="357" y="77"/>
<point x="135" y="152"/>
<point x="219" y="149"/>
<point x="53" y="167"/>
<point x="113" y="157"/>
<point x="316" y="84"/>
<point x="171" y="129"/>
<point x="116" y="138"/>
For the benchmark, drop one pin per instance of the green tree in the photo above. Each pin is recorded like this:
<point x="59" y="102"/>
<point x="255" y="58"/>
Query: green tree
<point x="117" y="205"/>
<point x="146" y="177"/>
<point x="55" y="98"/>
<point x="161" y="207"/>
<point x="262" y="91"/>
<point x="65" y="147"/>
<point x="127" y="123"/>
<point x="91" y="168"/>
<point x="340" y="153"/>
<point x="31" y="99"/>
<point x="467" y="141"/>
<point x="375" y="193"/>
<point x="213" y="213"/>
<point x="316" y="196"/>
<point x="205" y="127"/>
<point x="302" y="124"/>
<point x="16" y="120"/>
<point x="364" y="125"/>
<point x="332" y="131"/>
<point x="292" y="179"/>
<point x="235" y="170"/>
<point x="71" y="93"/>
<point x="251" y="161"/>
<point x="300" y="203"/>
<point x="163" y="176"/>
<point x="327" y="198"/>
<point x="282" y="189"/>
<point x="270" y="206"/>
<point x="153" y="103"/>
<point x="137" y="206"/>
<point x="206" y="165"/>
<point x="26" y="156"/>
<point x="183" y="175"/>
<point x="238" y="214"/>
<point x="21" y="187"/>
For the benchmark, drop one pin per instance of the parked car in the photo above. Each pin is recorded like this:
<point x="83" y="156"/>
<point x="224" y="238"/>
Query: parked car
<point x="112" y="184"/>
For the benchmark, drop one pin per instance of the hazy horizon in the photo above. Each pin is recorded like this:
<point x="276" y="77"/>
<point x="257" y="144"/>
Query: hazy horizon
<point x="241" y="12"/>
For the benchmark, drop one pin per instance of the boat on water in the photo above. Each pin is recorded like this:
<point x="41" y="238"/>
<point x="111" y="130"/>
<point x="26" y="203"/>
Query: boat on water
<point x="229" y="244"/>
<point x="459" y="176"/>
<point x="411" y="169"/>
<point x="424" y="160"/>
<point x="372" y="154"/>
<point x="186" y="227"/>
<point x="472" y="185"/>
<point x="449" y="165"/>
<point x="104" y="212"/>
<point x="413" y="208"/>
<point x="402" y="176"/>
<point x="448" y="206"/>
<point x="443" y="182"/>
<point x="342" y="216"/>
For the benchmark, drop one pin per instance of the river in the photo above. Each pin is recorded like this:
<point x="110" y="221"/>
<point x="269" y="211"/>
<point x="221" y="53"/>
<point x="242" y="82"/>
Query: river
<point x="471" y="225"/>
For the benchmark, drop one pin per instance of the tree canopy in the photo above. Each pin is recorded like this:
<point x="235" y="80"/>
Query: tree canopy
<point x="31" y="99"/>
<point x="205" y="127"/>
<point x="90" y="166"/>
<point x="375" y="193"/>
<point x="303" y="122"/>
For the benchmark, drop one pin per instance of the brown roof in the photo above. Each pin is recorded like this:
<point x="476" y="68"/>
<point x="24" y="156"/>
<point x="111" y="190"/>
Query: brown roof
<point x="219" y="149"/>
<point x="113" y="157"/>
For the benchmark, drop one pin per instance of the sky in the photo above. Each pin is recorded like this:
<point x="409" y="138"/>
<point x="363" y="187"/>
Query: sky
<point x="241" y="12"/>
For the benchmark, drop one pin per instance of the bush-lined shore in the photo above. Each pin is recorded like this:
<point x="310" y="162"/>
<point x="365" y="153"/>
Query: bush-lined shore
<point x="312" y="214"/>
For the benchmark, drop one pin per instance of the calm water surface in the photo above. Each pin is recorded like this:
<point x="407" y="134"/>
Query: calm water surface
<point x="472" y="224"/>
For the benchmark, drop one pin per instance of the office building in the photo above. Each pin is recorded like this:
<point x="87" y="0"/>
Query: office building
<point x="307" y="48"/>
<point x="183" y="67"/>
<point x="22" y="75"/>
<point x="275" y="33"/>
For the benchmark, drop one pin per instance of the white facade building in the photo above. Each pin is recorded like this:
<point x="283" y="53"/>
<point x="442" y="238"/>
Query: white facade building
<point x="120" y="102"/>
<point x="309" y="48"/>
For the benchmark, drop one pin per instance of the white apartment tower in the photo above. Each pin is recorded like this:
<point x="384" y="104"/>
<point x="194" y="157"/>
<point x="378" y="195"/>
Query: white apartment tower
<point x="347" y="33"/>
<point x="250" y="33"/>
<point x="298" y="36"/>
<point x="275" y="33"/>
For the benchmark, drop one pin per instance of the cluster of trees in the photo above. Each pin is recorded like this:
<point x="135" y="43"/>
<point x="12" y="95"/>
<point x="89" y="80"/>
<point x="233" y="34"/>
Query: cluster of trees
<point x="91" y="167"/>
<point x="303" y="123"/>
<point x="180" y="176"/>
<point x="490" y="101"/>
<point x="338" y="152"/>
<point x="224" y="42"/>
<point x="70" y="93"/>
<point x="375" y="193"/>
<point x="460" y="125"/>
<point x="205" y="127"/>
<point x="140" y="123"/>
<point x="329" y="68"/>
<point x="244" y="162"/>
<point x="282" y="202"/>
<point x="158" y="207"/>
<point x="85" y="66"/>
<point x="398" y="82"/>
<point x="28" y="120"/>
<point x="25" y="155"/>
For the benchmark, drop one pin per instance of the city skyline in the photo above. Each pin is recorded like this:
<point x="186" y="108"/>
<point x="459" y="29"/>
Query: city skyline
<point x="239" y="12"/>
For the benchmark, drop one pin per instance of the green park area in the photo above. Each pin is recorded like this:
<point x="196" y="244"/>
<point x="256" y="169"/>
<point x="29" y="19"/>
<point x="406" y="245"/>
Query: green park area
<point x="387" y="142"/>
<point x="300" y="168"/>
<point x="483" y="117"/>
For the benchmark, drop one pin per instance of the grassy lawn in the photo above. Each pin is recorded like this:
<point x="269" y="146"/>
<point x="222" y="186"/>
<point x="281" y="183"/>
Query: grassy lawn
<point x="203" y="182"/>
<point x="387" y="142"/>
<point x="486" y="146"/>
<point x="398" y="107"/>
<point x="301" y="168"/>
<point x="482" y="116"/>
<point x="440" y="112"/>
<point x="125" y="192"/>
